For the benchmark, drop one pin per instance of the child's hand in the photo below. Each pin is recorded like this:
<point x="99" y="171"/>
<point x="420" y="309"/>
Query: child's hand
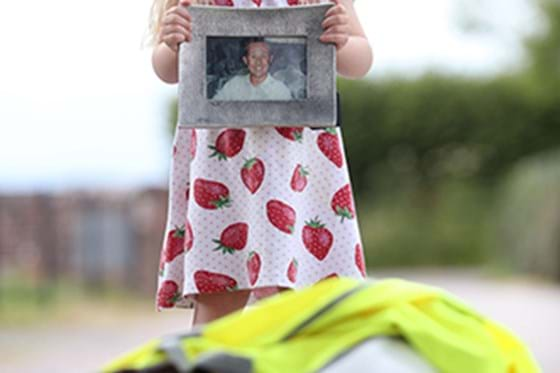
<point x="176" y="25"/>
<point x="336" y="25"/>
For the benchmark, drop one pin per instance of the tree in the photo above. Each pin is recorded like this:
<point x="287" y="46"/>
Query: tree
<point x="543" y="50"/>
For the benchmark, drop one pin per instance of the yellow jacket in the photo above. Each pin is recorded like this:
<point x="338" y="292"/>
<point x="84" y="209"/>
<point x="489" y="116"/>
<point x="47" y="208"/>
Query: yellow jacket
<point x="306" y="330"/>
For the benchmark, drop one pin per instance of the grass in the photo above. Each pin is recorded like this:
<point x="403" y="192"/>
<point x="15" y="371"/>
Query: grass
<point x="24" y="303"/>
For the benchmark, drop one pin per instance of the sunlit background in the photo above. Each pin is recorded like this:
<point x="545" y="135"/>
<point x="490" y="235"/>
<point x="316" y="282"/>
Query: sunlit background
<point x="453" y="142"/>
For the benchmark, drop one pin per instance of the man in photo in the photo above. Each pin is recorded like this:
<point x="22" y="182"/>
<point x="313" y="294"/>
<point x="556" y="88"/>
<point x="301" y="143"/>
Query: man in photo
<point x="258" y="84"/>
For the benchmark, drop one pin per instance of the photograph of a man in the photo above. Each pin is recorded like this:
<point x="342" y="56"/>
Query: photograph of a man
<point x="257" y="84"/>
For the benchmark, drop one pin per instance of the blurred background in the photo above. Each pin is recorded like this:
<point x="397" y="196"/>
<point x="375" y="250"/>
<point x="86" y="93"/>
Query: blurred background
<point x="453" y="141"/>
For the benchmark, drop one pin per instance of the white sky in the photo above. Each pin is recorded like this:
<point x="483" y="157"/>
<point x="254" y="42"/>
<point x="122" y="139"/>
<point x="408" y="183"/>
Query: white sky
<point x="81" y="108"/>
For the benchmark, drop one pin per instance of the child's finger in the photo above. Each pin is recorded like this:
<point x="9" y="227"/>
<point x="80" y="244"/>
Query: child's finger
<point x="335" y="9"/>
<point x="176" y="29"/>
<point x="339" y="39"/>
<point x="183" y="12"/>
<point x="173" y="40"/>
<point x="176" y="19"/>
<point x="338" y="29"/>
<point x="339" y="19"/>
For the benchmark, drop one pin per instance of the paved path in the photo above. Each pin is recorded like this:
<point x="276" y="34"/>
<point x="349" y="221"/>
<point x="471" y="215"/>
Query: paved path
<point x="530" y="309"/>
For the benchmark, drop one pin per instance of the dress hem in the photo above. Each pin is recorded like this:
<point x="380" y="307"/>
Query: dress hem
<point x="188" y="302"/>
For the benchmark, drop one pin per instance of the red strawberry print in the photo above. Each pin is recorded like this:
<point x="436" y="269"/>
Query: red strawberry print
<point x="228" y="144"/>
<point x="175" y="244"/>
<point x="330" y="146"/>
<point x="168" y="294"/>
<point x="359" y="259"/>
<point x="209" y="282"/>
<point x="211" y="195"/>
<point x="293" y="2"/>
<point x="193" y="143"/>
<point x="281" y="215"/>
<point x="161" y="264"/>
<point x="291" y="133"/>
<point x="258" y="2"/>
<point x="342" y="203"/>
<point x="233" y="238"/>
<point x="317" y="239"/>
<point x="223" y="2"/>
<point x="299" y="179"/>
<point x="332" y="275"/>
<point x="253" y="267"/>
<point x="292" y="270"/>
<point x="252" y="174"/>
<point x="189" y="237"/>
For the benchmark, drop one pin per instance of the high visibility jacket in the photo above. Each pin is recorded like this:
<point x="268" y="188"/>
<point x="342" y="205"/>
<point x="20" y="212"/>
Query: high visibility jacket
<point x="304" y="331"/>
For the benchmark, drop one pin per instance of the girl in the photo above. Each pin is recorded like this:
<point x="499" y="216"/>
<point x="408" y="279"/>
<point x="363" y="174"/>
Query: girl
<point x="258" y="210"/>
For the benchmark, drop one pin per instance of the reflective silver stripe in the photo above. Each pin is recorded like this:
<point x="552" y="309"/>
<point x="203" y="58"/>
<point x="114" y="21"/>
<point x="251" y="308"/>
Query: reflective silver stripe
<point x="224" y="363"/>
<point x="175" y="355"/>
<point x="323" y="310"/>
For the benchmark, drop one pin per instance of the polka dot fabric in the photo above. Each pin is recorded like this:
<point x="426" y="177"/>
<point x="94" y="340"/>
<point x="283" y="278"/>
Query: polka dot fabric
<point x="256" y="208"/>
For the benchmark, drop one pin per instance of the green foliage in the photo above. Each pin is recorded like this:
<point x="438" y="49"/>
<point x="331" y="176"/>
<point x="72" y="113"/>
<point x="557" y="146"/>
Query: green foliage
<point x="427" y="157"/>
<point x="529" y="219"/>
<point x="442" y="126"/>
<point x="444" y="225"/>
<point x="544" y="49"/>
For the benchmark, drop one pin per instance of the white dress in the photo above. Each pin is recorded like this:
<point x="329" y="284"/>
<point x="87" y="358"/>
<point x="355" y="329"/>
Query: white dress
<point x="256" y="208"/>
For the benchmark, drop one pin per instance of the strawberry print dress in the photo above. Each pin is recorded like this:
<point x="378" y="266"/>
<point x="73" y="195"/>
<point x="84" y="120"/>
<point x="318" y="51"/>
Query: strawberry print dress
<point x="256" y="208"/>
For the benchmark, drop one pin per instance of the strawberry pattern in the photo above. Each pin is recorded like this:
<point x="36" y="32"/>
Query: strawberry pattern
<point x="228" y="144"/>
<point x="299" y="179"/>
<point x="256" y="208"/>
<point x="233" y="238"/>
<point x="317" y="239"/>
<point x="253" y="267"/>
<point x="252" y="174"/>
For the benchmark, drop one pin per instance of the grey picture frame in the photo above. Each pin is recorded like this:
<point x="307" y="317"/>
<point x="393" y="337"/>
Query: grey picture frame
<point x="319" y="107"/>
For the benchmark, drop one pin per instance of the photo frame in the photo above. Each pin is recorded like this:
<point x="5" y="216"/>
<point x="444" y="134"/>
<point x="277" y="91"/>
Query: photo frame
<point x="247" y="67"/>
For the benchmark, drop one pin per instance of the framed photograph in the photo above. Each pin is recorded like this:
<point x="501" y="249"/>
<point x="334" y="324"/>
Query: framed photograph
<point x="257" y="67"/>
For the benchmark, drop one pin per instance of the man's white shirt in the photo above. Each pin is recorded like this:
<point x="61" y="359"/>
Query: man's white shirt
<point x="240" y="88"/>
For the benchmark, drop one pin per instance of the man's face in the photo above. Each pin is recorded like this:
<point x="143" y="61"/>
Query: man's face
<point x="258" y="59"/>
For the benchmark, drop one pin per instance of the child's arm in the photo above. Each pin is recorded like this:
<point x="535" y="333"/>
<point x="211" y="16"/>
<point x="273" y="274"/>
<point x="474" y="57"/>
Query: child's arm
<point x="343" y="28"/>
<point x="164" y="62"/>
<point x="175" y="28"/>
